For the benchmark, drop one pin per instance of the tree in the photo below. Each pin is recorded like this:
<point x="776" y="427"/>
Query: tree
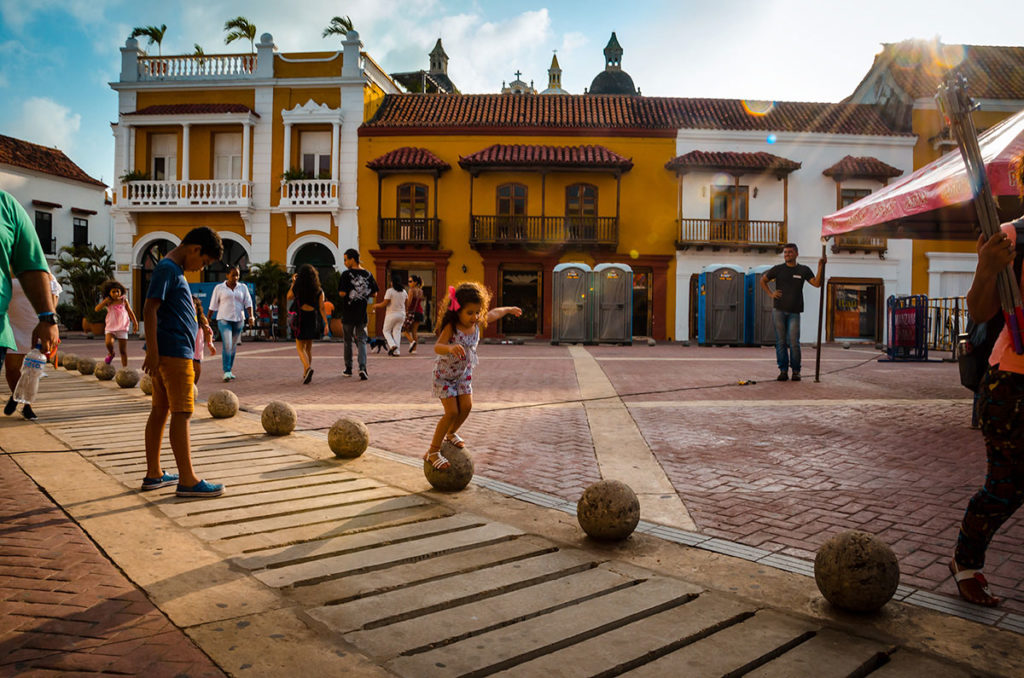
<point x="240" y="29"/>
<point x="199" y="50"/>
<point x="153" y="33"/>
<point x="339" y="26"/>
<point x="85" y="268"/>
<point x="272" y="282"/>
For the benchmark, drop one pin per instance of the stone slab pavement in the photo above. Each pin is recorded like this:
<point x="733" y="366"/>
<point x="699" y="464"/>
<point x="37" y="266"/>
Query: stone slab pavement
<point x="883" y="447"/>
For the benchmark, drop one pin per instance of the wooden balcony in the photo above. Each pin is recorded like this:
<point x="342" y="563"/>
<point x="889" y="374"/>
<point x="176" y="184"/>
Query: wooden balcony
<point x="730" y="233"/>
<point x="855" y="242"/>
<point x="408" y="232"/>
<point x="192" y="194"/>
<point x="548" y="231"/>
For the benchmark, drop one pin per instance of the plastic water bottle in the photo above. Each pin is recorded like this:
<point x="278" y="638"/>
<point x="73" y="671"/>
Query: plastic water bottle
<point x="32" y="370"/>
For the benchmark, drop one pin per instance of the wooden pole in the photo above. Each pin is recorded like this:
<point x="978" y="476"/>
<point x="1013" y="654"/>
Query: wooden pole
<point x="821" y="314"/>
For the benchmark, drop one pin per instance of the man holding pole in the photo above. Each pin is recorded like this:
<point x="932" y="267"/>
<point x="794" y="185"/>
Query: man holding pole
<point x="789" y="280"/>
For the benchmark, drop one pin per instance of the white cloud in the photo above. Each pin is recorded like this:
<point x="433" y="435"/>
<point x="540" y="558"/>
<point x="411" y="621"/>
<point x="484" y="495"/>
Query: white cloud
<point x="44" y="121"/>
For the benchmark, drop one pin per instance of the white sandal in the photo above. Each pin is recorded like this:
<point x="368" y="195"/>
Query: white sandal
<point x="455" y="440"/>
<point x="439" y="461"/>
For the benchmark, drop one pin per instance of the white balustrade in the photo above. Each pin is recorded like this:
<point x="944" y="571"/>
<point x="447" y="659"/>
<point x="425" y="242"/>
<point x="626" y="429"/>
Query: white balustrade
<point x="309" y="193"/>
<point x="192" y="66"/>
<point x="195" y="193"/>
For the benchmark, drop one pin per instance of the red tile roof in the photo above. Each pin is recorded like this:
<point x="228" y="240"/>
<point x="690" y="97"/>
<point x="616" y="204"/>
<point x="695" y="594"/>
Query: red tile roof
<point x="865" y="167"/>
<point x="657" y="116"/>
<point x="918" y="66"/>
<point x="408" y="158"/>
<point x="42" y="159"/>
<point x="516" y="155"/>
<point x="732" y="161"/>
<point x="193" y="109"/>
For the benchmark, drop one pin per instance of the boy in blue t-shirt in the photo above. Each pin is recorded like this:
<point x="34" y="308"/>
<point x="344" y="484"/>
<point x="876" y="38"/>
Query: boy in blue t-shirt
<point x="171" y="326"/>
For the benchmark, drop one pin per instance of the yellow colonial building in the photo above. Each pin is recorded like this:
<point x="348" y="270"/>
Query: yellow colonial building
<point x="260" y="147"/>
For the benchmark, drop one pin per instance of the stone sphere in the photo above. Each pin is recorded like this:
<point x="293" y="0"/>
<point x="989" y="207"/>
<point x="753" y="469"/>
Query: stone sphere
<point x="348" y="438"/>
<point x="278" y="418"/>
<point x="127" y="377"/>
<point x="608" y="509"/>
<point x="856" y="571"/>
<point x="651" y="341"/>
<point x="456" y="476"/>
<point x="146" y="384"/>
<point x="104" y="371"/>
<point x="70" y="362"/>
<point x="222" y="404"/>
<point x="86" y="365"/>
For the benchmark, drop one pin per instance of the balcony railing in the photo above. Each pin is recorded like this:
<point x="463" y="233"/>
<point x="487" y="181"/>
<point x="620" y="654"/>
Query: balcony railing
<point x="309" y="193"/>
<point x="197" y="193"/>
<point x="854" y="241"/>
<point x="408" y="232"/>
<point x="195" y="67"/>
<point x="731" y="233"/>
<point x="502" y="230"/>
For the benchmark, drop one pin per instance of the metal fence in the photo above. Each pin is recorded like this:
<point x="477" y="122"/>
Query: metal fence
<point x="947" y="317"/>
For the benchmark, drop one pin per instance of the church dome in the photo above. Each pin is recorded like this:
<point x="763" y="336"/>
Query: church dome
<point x="612" y="82"/>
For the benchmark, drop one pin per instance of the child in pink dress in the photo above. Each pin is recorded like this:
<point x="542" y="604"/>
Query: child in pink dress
<point x="120" y="318"/>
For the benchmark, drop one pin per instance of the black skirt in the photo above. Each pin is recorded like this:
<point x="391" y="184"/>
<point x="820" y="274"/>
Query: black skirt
<point x="309" y="325"/>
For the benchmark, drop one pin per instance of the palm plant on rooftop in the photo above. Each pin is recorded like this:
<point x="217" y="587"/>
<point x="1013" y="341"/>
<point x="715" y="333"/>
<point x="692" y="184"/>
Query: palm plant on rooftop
<point x="153" y="33"/>
<point x="239" y="28"/>
<point x="340" y="25"/>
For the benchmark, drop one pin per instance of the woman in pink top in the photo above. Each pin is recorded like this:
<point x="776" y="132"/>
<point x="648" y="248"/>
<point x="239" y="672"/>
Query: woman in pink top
<point x="1001" y="413"/>
<point x="120" y="318"/>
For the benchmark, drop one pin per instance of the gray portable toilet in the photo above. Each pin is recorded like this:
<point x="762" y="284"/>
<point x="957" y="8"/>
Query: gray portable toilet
<point x="759" y="321"/>
<point x="720" y="305"/>
<point x="613" y="291"/>
<point x="572" y="307"/>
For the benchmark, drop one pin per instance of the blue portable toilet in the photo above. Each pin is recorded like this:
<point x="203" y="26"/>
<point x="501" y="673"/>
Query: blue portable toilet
<point x="613" y="306"/>
<point x="572" y="308"/>
<point x="720" y="305"/>
<point x="758" y="325"/>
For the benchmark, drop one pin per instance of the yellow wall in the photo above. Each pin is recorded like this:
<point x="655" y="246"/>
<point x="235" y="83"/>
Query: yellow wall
<point x="373" y="97"/>
<point x="305" y="68"/>
<point x="648" y="199"/>
<point x="246" y="97"/>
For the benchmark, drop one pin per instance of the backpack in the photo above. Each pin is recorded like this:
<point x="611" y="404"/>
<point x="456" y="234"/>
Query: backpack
<point x="975" y="344"/>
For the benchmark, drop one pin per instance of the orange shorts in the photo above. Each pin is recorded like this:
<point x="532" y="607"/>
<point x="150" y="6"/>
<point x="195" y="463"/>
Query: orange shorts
<point x="172" y="385"/>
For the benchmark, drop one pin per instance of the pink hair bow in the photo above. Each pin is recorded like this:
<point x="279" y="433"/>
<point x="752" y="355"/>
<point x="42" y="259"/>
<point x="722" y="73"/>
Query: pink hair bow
<point x="454" y="304"/>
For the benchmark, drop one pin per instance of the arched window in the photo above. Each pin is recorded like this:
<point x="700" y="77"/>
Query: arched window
<point x="317" y="255"/>
<point x="412" y="201"/>
<point x="234" y="255"/>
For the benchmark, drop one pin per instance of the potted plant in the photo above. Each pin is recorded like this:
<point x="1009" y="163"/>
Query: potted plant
<point x="294" y="174"/>
<point x="97" y="322"/>
<point x="85" y="268"/>
<point x="271" y="282"/>
<point x="134" y="175"/>
<point x="330" y="285"/>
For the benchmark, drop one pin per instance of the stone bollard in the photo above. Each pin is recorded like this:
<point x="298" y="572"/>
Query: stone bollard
<point x="278" y="418"/>
<point x="146" y="384"/>
<point x="348" y="438"/>
<point x="456" y="476"/>
<point x="127" y="377"/>
<point x="222" y="404"/>
<point x="105" y="371"/>
<point x="608" y="510"/>
<point x="856" y="571"/>
<point x="70" y="362"/>
<point x="86" y="365"/>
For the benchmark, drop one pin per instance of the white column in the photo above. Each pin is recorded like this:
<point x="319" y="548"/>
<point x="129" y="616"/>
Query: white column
<point x="246" y="131"/>
<point x="184" y="150"/>
<point x="335" y="150"/>
<point x="287" y="145"/>
<point x="127" y="134"/>
<point x="131" y="149"/>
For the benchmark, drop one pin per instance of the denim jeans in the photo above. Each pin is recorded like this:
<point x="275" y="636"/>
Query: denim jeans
<point x="357" y="332"/>
<point x="787" y="340"/>
<point x="230" y="335"/>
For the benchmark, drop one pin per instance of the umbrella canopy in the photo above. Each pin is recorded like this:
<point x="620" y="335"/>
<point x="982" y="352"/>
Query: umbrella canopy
<point x="936" y="200"/>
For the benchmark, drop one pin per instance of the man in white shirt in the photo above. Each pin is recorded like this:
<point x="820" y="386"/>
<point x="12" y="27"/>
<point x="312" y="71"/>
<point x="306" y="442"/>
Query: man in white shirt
<point x="231" y="305"/>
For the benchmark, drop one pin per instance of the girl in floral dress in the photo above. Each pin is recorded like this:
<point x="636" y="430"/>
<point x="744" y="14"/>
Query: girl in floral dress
<point x="463" y="313"/>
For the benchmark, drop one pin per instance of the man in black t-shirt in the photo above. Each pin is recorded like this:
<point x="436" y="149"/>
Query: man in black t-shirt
<point x="789" y="280"/>
<point x="355" y="289"/>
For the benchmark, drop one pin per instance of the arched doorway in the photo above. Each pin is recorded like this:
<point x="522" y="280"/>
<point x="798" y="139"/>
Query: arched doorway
<point x="148" y="259"/>
<point x="318" y="256"/>
<point x="234" y="255"/>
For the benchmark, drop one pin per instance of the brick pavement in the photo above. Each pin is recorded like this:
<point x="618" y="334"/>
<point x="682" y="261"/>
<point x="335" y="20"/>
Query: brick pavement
<point x="65" y="608"/>
<point x="780" y="466"/>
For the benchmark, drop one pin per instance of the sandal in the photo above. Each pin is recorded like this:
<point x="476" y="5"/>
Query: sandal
<point x="412" y="347"/>
<point x="972" y="585"/>
<point x="455" y="440"/>
<point x="436" y="459"/>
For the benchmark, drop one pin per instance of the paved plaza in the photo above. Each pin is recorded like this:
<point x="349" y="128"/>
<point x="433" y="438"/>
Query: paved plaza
<point x="766" y="471"/>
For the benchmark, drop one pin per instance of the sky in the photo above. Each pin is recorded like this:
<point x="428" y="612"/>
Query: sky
<point x="57" y="57"/>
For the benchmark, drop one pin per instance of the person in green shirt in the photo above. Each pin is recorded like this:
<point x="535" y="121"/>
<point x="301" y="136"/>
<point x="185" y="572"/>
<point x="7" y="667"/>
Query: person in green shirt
<point x="21" y="255"/>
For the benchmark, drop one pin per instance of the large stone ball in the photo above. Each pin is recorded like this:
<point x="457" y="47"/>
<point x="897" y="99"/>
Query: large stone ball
<point x="127" y="377"/>
<point x="608" y="509"/>
<point x="278" y="418"/>
<point x="456" y="476"/>
<point x="146" y="384"/>
<point x="86" y="365"/>
<point x="70" y="362"/>
<point x="348" y="438"/>
<point x="856" y="571"/>
<point x="222" y="404"/>
<point x="104" y="371"/>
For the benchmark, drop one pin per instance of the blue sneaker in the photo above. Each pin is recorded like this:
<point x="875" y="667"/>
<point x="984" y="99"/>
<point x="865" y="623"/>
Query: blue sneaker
<point x="157" y="483"/>
<point x="201" y="489"/>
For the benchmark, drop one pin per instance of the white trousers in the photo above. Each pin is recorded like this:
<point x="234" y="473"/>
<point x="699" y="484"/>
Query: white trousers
<point x="393" y="329"/>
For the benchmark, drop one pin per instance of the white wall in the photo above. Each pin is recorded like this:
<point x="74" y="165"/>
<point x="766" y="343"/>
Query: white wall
<point x="811" y="196"/>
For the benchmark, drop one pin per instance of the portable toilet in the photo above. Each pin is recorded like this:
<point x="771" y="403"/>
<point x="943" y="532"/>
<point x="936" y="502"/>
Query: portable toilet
<point x="720" y="305"/>
<point x="759" y="327"/>
<point x="613" y="292"/>
<point x="572" y="308"/>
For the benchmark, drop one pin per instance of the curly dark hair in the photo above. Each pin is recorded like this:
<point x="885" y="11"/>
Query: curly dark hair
<point x="465" y="293"/>
<point x="114" y="285"/>
<point x="306" y="288"/>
